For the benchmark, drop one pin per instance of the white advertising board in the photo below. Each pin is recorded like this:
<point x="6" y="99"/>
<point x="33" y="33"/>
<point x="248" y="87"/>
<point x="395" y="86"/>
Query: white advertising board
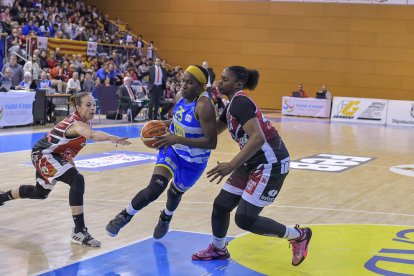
<point x="400" y="113"/>
<point x="359" y="110"/>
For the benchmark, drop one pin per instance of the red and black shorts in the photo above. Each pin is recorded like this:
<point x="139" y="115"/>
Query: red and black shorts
<point x="258" y="185"/>
<point x="49" y="166"/>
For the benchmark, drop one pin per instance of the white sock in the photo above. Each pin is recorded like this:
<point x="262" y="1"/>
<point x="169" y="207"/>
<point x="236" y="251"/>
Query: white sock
<point x="168" y="212"/>
<point x="291" y="233"/>
<point x="130" y="210"/>
<point x="219" y="243"/>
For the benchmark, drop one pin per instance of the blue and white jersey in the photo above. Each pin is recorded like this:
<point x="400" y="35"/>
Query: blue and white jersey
<point x="185" y="124"/>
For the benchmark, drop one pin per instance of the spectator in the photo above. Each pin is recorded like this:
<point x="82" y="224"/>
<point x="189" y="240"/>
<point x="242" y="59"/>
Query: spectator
<point x="26" y="82"/>
<point x="324" y="93"/>
<point x="43" y="59"/>
<point x="7" y="76"/>
<point x="156" y="85"/>
<point x="88" y="84"/>
<point x="17" y="70"/>
<point x="33" y="67"/>
<point x="150" y="50"/>
<point x="73" y="86"/>
<point x="44" y="82"/>
<point x="127" y="97"/>
<point x="211" y="77"/>
<point x="140" y="45"/>
<point x="301" y="93"/>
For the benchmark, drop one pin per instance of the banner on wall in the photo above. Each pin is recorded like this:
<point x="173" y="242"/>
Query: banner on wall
<point x="400" y="113"/>
<point x="42" y="43"/>
<point x="359" y="110"/>
<point x="67" y="47"/>
<point x="92" y="49"/>
<point x="310" y="107"/>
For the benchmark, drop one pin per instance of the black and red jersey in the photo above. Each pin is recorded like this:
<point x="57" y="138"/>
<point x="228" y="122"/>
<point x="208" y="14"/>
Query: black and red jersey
<point x="57" y="142"/>
<point x="240" y="110"/>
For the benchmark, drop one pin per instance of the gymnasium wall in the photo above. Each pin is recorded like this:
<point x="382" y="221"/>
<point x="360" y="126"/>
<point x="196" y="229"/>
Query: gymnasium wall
<point x="357" y="50"/>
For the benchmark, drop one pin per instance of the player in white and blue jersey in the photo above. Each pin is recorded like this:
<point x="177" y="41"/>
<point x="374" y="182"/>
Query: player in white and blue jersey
<point x="183" y="153"/>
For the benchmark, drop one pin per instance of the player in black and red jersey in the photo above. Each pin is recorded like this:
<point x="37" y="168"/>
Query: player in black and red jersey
<point x="53" y="156"/>
<point x="257" y="171"/>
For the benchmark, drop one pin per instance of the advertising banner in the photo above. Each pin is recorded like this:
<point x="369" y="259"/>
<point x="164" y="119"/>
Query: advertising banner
<point x="16" y="108"/>
<point x="359" y="110"/>
<point x="400" y="113"/>
<point x="306" y="107"/>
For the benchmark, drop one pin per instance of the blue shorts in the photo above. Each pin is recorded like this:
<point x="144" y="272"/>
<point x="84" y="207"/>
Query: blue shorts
<point x="185" y="173"/>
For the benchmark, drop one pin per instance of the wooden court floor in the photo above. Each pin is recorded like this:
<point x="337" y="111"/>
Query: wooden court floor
<point x="35" y="235"/>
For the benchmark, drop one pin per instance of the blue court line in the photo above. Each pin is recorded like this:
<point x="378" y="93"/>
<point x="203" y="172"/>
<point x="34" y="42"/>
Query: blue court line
<point x="168" y="256"/>
<point x="25" y="141"/>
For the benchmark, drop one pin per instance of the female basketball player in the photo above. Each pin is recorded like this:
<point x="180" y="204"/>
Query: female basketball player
<point x="257" y="171"/>
<point x="183" y="153"/>
<point x="53" y="156"/>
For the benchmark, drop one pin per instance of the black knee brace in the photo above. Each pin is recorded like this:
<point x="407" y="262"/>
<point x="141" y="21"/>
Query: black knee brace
<point x="224" y="203"/>
<point x="174" y="198"/>
<point x="33" y="192"/>
<point x="77" y="189"/>
<point x="155" y="188"/>
<point x="244" y="221"/>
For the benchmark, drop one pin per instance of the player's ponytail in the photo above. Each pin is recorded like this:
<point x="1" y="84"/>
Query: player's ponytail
<point x="249" y="77"/>
<point x="76" y="99"/>
<point x="252" y="79"/>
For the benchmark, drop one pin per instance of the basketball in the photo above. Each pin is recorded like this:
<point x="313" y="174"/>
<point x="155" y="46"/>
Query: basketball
<point x="152" y="129"/>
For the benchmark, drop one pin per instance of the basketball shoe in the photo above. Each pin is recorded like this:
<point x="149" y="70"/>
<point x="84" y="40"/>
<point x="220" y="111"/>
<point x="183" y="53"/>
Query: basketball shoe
<point x="84" y="238"/>
<point x="300" y="245"/>
<point x="212" y="253"/>
<point x="162" y="227"/>
<point x="113" y="227"/>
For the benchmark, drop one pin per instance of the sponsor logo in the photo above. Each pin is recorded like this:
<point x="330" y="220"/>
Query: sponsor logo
<point x="329" y="162"/>
<point x="287" y="106"/>
<point x="411" y="112"/>
<point x="360" y="249"/>
<point x="347" y="109"/>
<point x="270" y="197"/>
<point x="251" y="186"/>
<point x="171" y="163"/>
<point x="111" y="160"/>
<point x="407" y="170"/>
<point x="181" y="187"/>
<point x="374" y="111"/>
<point x="381" y="263"/>
<point x="47" y="172"/>
<point x="188" y="118"/>
<point x="159" y="182"/>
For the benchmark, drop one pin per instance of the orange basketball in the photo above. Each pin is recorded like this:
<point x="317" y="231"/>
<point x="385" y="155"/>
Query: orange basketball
<point x="152" y="129"/>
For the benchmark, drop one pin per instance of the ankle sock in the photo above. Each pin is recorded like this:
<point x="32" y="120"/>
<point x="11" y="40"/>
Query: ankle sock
<point x="79" y="222"/>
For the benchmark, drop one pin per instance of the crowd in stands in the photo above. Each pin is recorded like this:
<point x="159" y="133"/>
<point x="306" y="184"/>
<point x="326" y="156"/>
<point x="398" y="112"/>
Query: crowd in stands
<point x="73" y="20"/>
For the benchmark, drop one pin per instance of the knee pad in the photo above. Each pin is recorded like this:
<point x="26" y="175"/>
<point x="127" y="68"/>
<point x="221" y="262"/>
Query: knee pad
<point x="244" y="221"/>
<point x="156" y="187"/>
<point x="223" y="206"/>
<point x="77" y="189"/>
<point x="77" y="183"/>
<point x="33" y="192"/>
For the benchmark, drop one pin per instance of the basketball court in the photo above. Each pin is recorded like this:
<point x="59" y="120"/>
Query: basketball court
<point x="352" y="184"/>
